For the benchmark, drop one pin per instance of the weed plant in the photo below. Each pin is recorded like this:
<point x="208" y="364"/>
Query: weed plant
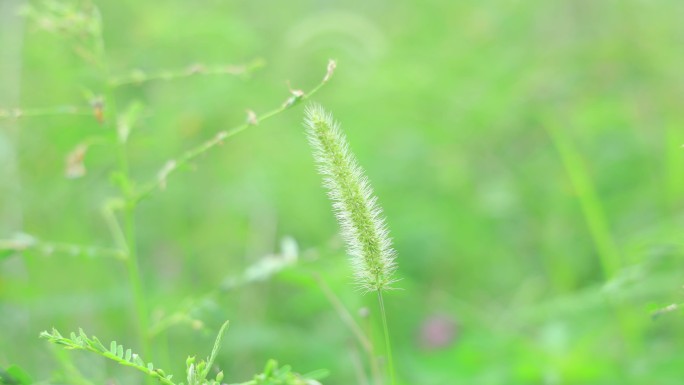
<point x="357" y="211"/>
<point x="360" y="216"/>
<point x="528" y="157"/>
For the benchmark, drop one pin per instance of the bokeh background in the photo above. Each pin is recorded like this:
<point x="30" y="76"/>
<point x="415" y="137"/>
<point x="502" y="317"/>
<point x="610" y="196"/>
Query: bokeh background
<point x="528" y="156"/>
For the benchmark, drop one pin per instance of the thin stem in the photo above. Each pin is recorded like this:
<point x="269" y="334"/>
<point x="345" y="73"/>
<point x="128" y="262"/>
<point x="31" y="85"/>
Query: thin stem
<point x="173" y="165"/>
<point x="361" y="376"/>
<point x="132" y="264"/>
<point x="129" y="237"/>
<point x="590" y="203"/>
<point x="388" y="345"/>
<point x="674" y="141"/>
<point x="138" y="77"/>
<point x="344" y="314"/>
<point x="51" y="248"/>
<point x="347" y="318"/>
<point x="597" y="222"/>
<point x="375" y="369"/>
<point x="135" y="280"/>
<point x="115" y="228"/>
<point x="16" y="113"/>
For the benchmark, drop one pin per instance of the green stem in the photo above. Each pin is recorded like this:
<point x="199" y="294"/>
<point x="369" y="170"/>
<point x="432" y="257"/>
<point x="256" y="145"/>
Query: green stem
<point x="355" y="328"/>
<point x="128" y="211"/>
<point x="590" y="203"/>
<point x="344" y="315"/>
<point x="115" y="229"/>
<point x="132" y="264"/>
<point x="135" y="281"/>
<point x="372" y="358"/>
<point x="16" y="113"/>
<point x="139" y="77"/>
<point x="674" y="141"/>
<point x="388" y="345"/>
<point x="51" y="248"/>
<point x="173" y="165"/>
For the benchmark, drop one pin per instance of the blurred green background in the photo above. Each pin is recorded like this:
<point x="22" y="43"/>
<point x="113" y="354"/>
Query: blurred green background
<point x="527" y="155"/>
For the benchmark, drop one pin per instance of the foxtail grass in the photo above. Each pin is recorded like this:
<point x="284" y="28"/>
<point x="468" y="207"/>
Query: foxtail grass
<point x="358" y="213"/>
<point x="360" y="218"/>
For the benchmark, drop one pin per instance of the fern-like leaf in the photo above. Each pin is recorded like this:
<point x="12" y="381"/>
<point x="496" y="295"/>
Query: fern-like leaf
<point x="115" y="352"/>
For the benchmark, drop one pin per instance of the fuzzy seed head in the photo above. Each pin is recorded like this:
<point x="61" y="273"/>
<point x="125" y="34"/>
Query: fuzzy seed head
<point x="358" y="213"/>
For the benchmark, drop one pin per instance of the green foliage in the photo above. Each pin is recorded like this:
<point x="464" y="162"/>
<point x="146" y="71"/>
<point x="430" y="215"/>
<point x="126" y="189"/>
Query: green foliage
<point x="197" y="372"/>
<point x="528" y="157"/>
<point x="115" y="352"/>
<point x="14" y="375"/>
<point x="78" y="22"/>
<point x="283" y="375"/>
<point x="357" y="211"/>
<point x="24" y="242"/>
<point x="81" y="24"/>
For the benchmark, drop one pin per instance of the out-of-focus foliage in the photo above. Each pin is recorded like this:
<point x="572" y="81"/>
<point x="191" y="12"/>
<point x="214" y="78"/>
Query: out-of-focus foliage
<point x="527" y="155"/>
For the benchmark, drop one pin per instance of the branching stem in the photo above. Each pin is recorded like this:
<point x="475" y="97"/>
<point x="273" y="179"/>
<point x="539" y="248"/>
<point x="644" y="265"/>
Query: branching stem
<point x="173" y="165"/>
<point x="128" y="209"/>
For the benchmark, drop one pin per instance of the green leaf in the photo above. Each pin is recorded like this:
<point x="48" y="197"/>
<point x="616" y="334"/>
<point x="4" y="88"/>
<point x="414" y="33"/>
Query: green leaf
<point x="138" y="361"/>
<point x="15" y="375"/>
<point x="317" y="374"/>
<point x="98" y="345"/>
<point x="82" y="334"/>
<point x="6" y="253"/>
<point x="127" y="120"/>
<point x="215" y="350"/>
<point x="115" y="352"/>
<point x="192" y="379"/>
<point x="271" y="365"/>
